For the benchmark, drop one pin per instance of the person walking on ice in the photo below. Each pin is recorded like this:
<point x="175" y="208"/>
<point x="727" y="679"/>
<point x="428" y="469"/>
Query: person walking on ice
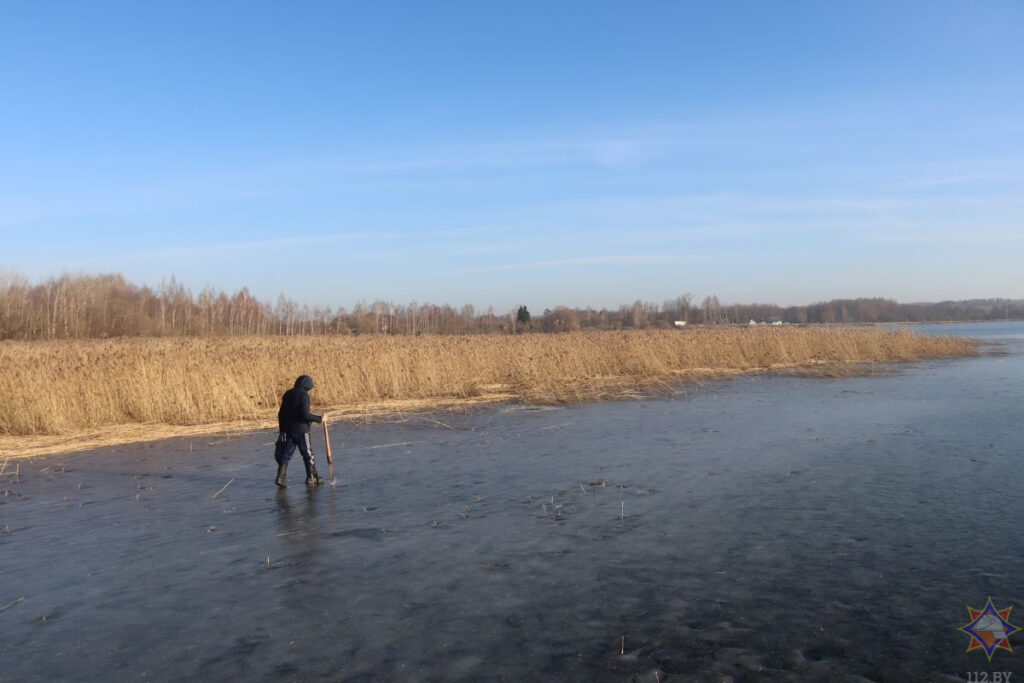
<point x="293" y="420"/>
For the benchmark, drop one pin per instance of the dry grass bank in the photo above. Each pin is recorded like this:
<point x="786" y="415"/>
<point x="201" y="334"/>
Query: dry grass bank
<point x="63" y="391"/>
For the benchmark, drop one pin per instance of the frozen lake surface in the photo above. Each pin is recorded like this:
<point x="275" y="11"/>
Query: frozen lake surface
<point x="762" y="528"/>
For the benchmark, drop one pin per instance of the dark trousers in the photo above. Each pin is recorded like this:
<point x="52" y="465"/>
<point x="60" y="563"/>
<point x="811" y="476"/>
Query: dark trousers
<point x="290" y="443"/>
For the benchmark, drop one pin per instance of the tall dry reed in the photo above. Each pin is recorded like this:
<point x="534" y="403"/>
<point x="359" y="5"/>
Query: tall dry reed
<point x="73" y="386"/>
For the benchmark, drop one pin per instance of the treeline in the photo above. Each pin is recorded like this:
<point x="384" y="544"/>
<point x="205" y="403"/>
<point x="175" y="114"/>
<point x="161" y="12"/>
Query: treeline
<point x="96" y="306"/>
<point x="880" y="311"/>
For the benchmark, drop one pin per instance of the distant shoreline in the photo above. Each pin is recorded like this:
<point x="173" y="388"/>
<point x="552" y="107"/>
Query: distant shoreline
<point x="946" y="322"/>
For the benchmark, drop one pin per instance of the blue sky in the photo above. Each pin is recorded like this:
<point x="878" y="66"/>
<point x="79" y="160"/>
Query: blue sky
<point x="580" y="153"/>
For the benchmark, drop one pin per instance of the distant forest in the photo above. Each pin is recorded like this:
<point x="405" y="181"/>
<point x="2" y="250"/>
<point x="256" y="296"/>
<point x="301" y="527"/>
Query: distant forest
<point x="97" y="306"/>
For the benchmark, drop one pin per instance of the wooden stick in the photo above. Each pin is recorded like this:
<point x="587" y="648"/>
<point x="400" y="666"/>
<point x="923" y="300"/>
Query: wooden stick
<point x="327" y="443"/>
<point x="390" y="445"/>
<point x="12" y="604"/>
<point x="222" y="489"/>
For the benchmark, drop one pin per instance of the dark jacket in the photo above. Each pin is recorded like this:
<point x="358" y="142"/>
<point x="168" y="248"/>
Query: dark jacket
<point x="294" y="416"/>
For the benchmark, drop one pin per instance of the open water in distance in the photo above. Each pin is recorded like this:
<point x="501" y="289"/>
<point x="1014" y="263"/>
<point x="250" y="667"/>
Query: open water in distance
<point x="762" y="528"/>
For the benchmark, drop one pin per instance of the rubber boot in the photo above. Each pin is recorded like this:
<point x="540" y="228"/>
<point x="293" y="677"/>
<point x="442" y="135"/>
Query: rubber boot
<point x="312" y="478"/>
<point x="282" y="471"/>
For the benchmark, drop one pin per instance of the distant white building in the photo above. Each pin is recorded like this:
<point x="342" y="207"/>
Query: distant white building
<point x="680" y="323"/>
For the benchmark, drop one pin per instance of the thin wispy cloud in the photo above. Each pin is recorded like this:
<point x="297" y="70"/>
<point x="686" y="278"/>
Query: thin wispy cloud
<point x="946" y="237"/>
<point x="479" y="249"/>
<point x="298" y="176"/>
<point x="622" y="260"/>
<point x="218" y="251"/>
<point x="967" y="179"/>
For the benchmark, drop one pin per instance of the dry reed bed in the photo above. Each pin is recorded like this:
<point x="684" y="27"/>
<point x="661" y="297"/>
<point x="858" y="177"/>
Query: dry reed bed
<point x="73" y="387"/>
